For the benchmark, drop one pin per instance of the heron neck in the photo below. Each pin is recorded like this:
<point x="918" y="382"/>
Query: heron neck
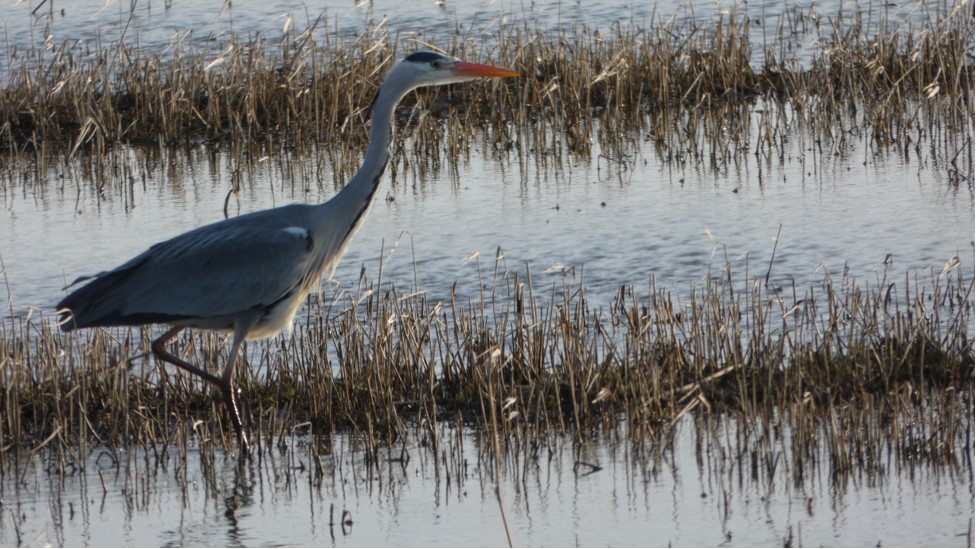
<point x="358" y="194"/>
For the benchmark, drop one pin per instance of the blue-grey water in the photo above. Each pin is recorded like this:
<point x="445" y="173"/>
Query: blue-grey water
<point x="861" y="211"/>
<point x="586" y="219"/>
<point x="605" y="492"/>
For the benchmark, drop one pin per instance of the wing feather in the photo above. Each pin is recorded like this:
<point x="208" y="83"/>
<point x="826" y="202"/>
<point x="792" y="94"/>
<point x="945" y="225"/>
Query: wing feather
<point x="215" y="271"/>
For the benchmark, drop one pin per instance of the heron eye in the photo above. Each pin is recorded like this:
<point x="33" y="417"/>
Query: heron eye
<point x="435" y="65"/>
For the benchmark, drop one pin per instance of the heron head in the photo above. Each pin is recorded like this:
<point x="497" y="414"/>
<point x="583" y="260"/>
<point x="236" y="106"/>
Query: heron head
<point x="426" y="68"/>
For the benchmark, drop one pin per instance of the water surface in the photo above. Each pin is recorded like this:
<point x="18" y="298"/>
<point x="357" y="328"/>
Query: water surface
<point x="589" y="220"/>
<point x="608" y="491"/>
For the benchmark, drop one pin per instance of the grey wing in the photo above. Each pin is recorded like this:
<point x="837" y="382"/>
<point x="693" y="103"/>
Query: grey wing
<point x="213" y="272"/>
<point x="225" y="273"/>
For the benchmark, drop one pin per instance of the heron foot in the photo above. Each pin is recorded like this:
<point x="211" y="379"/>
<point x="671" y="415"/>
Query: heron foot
<point x="230" y="399"/>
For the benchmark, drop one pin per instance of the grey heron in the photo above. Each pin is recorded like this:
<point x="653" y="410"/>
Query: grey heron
<point x="248" y="275"/>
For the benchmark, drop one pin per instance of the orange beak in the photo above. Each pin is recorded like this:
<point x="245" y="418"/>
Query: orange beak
<point x="462" y="68"/>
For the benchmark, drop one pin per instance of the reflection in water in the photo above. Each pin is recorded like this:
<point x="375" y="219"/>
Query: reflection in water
<point x="709" y="482"/>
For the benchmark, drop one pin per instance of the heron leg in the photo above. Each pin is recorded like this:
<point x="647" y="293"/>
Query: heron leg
<point x="159" y="349"/>
<point x="225" y="383"/>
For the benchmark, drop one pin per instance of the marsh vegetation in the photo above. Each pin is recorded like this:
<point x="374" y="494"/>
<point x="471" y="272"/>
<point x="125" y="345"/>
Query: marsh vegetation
<point x="868" y="372"/>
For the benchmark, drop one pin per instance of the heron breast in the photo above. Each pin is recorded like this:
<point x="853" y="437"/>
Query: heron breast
<point x="278" y="317"/>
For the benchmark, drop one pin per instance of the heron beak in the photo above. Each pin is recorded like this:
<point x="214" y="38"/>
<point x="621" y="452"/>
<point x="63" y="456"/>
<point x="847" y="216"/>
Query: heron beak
<point x="462" y="68"/>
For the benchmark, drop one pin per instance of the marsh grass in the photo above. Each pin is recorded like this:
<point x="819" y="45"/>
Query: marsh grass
<point x="900" y="89"/>
<point x="858" y="369"/>
<point x="867" y="372"/>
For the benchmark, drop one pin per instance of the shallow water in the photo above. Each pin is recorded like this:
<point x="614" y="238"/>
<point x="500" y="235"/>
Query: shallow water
<point x="647" y="494"/>
<point x="586" y="219"/>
